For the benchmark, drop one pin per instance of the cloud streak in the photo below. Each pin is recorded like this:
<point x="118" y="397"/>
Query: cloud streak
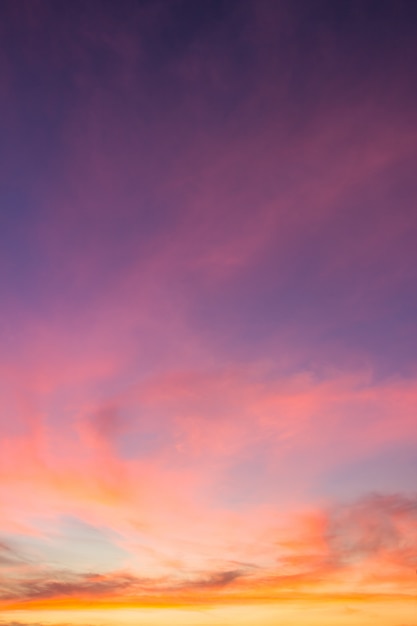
<point x="373" y="538"/>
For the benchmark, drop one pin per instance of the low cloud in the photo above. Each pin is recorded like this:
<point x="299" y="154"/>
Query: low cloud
<point x="9" y="556"/>
<point x="64" y="585"/>
<point x="375" y="537"/>
<point x="374" y="525"/>
<point x="215" y="580"/>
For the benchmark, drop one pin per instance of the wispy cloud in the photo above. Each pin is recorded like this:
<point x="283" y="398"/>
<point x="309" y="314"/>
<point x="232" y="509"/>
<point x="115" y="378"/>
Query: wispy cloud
<point x="372" y="540"/>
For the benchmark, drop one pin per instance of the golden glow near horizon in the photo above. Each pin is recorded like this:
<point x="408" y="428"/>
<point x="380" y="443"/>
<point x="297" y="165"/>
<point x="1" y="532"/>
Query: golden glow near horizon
<point x="307" y="612"/>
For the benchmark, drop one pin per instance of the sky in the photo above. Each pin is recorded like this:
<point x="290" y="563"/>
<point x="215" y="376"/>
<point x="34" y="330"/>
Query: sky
<point x="208" y="342"/>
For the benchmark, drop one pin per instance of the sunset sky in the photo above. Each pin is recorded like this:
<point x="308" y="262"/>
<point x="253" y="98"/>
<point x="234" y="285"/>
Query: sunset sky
<point x="208" y="290"/>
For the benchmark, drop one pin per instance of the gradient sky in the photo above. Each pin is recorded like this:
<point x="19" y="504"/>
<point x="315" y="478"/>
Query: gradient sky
<point x="208" y="342"/>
